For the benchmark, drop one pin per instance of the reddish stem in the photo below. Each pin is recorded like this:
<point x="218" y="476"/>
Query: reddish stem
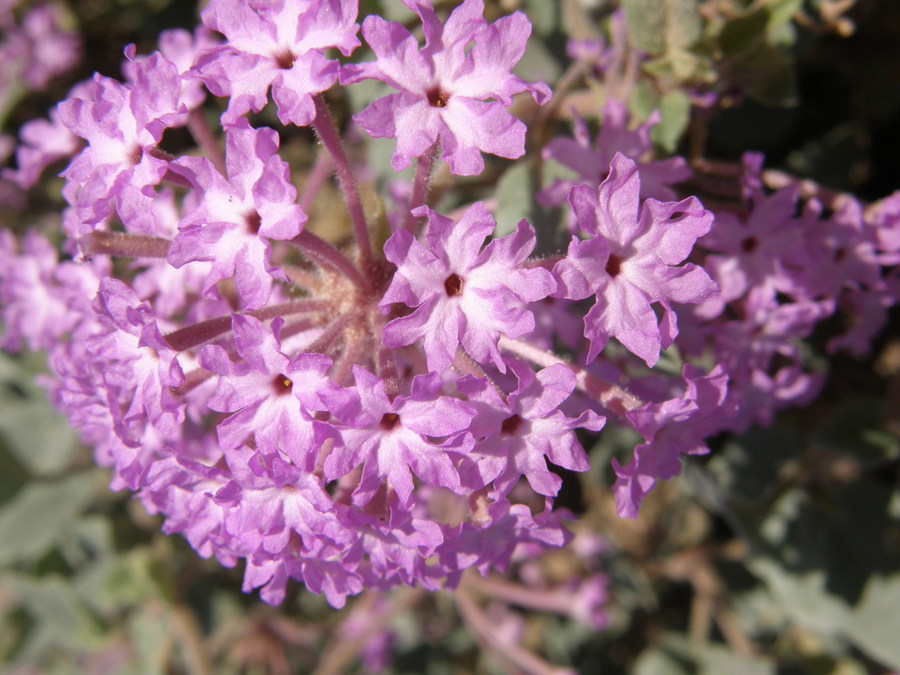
<point x="123" y="245"/>
<point x="331" y="139"/>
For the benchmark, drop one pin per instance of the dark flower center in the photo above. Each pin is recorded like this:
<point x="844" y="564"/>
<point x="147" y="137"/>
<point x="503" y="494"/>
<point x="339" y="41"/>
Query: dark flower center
<point x="613" y="265"/>
<point x="282" y="384"/>
<point x="285" y="59"/>
<point x="749" y="245"/>
<point x="453" y="285"/>
<point x="253" y="221"/>
<point x="136" y="155"/>
<point x="510" y="425"/>
<point x="437" y="97"/>
<point x="389" y="421"/>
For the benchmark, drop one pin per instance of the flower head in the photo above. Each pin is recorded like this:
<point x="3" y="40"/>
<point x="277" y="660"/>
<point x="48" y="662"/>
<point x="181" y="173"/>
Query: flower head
<point x="279" y="44"/>
<point x="463" y="294"/>
<point x="453" y="90"/>
<point x="631" y="260"/>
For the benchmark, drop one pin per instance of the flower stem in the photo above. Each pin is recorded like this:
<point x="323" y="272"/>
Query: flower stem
<point x="204" y="331"/>
<point x="611" y="396"/>
<point x="325" y="254"/>
<point x="321" y="170"/>
<point x="484" y="631"/>
<point x="541" y="600"/>
<point x="331" y="332"/>
<point x="198" y="125"/>
<point x="420" y="185"/>
<point x="123" y="245"/>
<point x="331" y="139"/>
<point x="343" y="650"/>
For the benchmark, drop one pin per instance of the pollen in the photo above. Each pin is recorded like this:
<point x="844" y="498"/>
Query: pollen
<point x="282" y="384"/>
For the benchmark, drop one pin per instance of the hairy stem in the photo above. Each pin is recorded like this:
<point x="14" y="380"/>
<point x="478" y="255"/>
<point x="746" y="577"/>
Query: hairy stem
<point x="331" y="333"/>
<point x="321" y="170"/>
<point x="198" y="125"/>
<point x="323" y="253"/>
<point x="331" y="139"/>
<point x="123" y="245"/>
<point x="204" y="331"/>
<point x="611" y="396"/>
<point x="542" y="600"/>
<point x="424" y="166"/>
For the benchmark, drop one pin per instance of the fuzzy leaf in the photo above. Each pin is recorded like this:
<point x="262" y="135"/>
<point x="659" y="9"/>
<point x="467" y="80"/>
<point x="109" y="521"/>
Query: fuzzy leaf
<point x="659" y="26"/>
<point x="41" y="515"/>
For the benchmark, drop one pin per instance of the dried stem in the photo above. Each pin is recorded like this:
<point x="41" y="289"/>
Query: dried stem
<point x="341" y="651"/>
<point x="483" y="631"/>
<point x="186" y="632"/>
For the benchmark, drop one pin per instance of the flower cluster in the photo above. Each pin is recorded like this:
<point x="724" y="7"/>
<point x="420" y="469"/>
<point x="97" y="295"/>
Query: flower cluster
<point x="35" y="47"/>
<point x="374" y="415"/>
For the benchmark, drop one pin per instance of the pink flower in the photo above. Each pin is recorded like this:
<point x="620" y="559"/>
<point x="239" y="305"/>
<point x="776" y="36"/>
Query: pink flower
<point x="591" y="160"/>
<point x="271" y="397"/>
<point x="631" y="261"/>
<point x="392" y="438"/>
<point x="123" y="125"/>
<point x="239" y="215"/>
<point x="528" y="426"/>
<point x="279" y="44"/>
<point x="673" y="428"/>
<point x="41" y="143"/>
<point x="462" y="294"/>
<point x="453" y="90"/>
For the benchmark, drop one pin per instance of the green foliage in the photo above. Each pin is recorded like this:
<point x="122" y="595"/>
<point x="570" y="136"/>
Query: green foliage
<point x="663" y="26"/>
<point x="786" y="539"/>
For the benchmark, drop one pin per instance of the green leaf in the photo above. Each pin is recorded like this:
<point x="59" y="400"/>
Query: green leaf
<point x="716" y="659"/>
<point x="643" y="100"/>
<point x="672" y="655"/>
<point x="675" y="113"/>
<point x="62" y="622"/>
<point x="36" y="435"/>
<point x="857" y="428"/>
<point x="42" y="514"/>
<point x="659" y="26"/>
<point x="743" y="33"/>
<point x="804" y="597"/>
<point x="538" y="63"/>
<point x="149" y="630"/>
<point x="544" y="16"/>
<point x="782" y="11"/>
<point x="121" y="581"/>
<point x="767" y="74"/>
<point x="874" y="625"/>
